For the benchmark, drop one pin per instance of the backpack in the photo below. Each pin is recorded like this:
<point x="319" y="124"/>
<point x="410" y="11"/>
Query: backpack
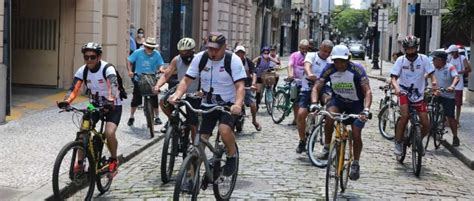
<point x="227" y="62"/>
<point x="123" y="93"/>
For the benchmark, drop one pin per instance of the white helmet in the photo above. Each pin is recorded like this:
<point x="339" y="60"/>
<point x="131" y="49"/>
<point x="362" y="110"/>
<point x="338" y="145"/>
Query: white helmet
<point x="452" y="48"/>
<point x="340" y="52"/>
<point x="186" y="44"/>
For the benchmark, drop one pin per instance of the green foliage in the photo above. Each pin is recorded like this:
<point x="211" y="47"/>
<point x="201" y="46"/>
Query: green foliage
<point x="393" y="18"/>
<point x="459" y="17"/>
<point x="351" y="22"/>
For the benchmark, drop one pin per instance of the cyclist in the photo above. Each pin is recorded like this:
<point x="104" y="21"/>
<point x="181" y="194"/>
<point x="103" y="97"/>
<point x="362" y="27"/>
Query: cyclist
<point x="251" y="80"/>
<point x="351" y="94"/>
<point x="146" y="60"/>
<point x="180" y="65"/>
<point x="463" y="67"/>
<point x="410" y="71"/>
<point x="447" y="77"/>
<point x="263" y="63"/>
<point x="296" y="71"/>
<point x="220" y="87"/>
<point x="314" y="63"/>
<point x="106" y="88"/>
<point x="275" y="65"/>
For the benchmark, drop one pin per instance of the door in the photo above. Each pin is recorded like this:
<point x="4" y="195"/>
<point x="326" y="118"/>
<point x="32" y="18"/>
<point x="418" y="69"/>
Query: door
<point x="35" y="34"/>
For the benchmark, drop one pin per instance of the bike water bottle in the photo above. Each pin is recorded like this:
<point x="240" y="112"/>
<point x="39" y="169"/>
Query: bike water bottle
<point x="293" y="91"/>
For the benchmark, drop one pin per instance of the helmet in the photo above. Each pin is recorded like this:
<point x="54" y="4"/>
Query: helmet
<point x="266" y="48"/>
<point x="410" y="41"/>
<point x="340" y="52"/>
<point x="186" y="44"/>
<point x="452" y="48"/>
<point x="440" y="54"/>
<point x="92" y="46"/>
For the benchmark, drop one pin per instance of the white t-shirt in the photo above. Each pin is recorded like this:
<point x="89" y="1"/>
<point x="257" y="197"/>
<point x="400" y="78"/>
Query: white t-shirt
<point x="412" y="73"/>
<point x="445" y="76"/>
<point x="222" y="83"/>
<point x="96" y="82"/>
<point x="317" y="66"/>
<point x="459" y="63"/>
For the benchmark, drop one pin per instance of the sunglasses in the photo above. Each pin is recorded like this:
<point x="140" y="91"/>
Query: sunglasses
<point x="90" y="57"/>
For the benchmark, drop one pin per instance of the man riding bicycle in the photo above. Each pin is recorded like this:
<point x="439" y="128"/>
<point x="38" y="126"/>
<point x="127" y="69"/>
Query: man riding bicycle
<point x="146" y="60"/>
<point x="107" y="90"/>
<point x="221" y="86"/>
<point x="296" y="71"/>
<point x="410" y="71"/>
<point x="314" y="63"/>
<point x="351" y="94"/>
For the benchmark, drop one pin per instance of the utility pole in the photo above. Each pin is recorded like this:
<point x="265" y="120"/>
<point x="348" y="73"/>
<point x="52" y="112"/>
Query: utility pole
<point x="382" y="21"/>
<point x="375" y="61"/>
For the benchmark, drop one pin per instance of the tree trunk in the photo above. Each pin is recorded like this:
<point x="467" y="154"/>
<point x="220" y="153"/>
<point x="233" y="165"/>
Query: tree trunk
<point x="470" y="86"/>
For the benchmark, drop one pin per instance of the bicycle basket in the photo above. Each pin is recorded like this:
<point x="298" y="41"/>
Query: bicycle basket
<point x="269" y="78"/>
<point x="146" y="84"/>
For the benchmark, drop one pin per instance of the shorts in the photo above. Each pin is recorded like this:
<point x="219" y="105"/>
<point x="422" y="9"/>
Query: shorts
<point x="211" y="119"/>
<point x="191" y="116"/>
<point x="420" y="106"/>
<point x="111" y="116"/>
<point x="304" y="100"/>
<point x="249" y="97"/>
<point x="458" y="97"/>
<point x="354" y="107"/>
<point x="138" y="98"/>
<point x="448" y="106"/>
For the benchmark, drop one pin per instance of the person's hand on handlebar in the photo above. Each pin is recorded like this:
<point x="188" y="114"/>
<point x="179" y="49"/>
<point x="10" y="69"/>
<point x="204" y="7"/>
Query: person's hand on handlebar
<point x="314" y="107"/>
<point x="364" y="115"/>
<point x="109" y="106"/>
<point x="253" y="88"/>
<point x="236" y="109"/>
<point x="63" y="105"/>
<point x="312" y="77"/>
<point x="173" y="99"/>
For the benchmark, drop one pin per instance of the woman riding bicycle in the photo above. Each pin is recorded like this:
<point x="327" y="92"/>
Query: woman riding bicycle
<point x="263" y="64"/>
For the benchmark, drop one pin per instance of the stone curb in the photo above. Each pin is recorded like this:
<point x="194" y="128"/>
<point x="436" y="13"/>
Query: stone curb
<point x="460" y="153"/>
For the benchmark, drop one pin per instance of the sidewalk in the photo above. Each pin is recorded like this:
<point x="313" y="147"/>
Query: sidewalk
<point x="465" y="152"/>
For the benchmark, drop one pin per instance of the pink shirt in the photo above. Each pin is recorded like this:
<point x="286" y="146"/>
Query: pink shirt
<point x="297" y="62"/>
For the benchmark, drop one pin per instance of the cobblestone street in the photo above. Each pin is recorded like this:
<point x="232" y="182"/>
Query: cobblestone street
<point x="270" y="168"/>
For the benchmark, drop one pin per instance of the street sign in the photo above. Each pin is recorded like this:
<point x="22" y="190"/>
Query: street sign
<point x="382" y="20"/>
<point x="372" y="24"/>
<point x="429" y="7"/>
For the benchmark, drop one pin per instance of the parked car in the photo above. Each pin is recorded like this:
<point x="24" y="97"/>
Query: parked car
<point x="357" y="51"/>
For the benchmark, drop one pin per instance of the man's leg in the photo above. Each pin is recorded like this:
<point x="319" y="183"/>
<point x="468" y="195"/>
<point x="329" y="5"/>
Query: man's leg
<point x="228" y="138"/>
<point x="301" y="125"/>
<point x="328" y="129"/>
<point x="154" y="102"/>
<point x="136" y="101"/>
<point x="357" y="149"/>
<point x="425" y="124"/>
<point x="249" y="100"/>
<point x="458" y="102"/>
<point x="449" y="106"/>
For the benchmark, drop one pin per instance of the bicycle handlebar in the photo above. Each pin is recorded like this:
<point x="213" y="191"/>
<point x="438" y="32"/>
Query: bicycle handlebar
<point x="201" y="111"/>
<point x="341" y="116"/>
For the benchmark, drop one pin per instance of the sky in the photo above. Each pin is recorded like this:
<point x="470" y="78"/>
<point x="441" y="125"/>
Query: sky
<point x="354" y="3"/>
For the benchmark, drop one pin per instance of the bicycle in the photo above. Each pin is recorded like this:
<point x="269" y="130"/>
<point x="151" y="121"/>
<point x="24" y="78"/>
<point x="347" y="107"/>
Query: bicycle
<point x="81" y="161"/>
<point x="315" y="135"/>
<point x="146" y="82"/>
<point x="268" y="78"/>
<point x="437" y="118"/>
<point x="283" y="102"/>
<point x="189" y="177"/>
<point x="338" y="164"/>
<point x="389" y="112"/>
<point x="239" y="122"/>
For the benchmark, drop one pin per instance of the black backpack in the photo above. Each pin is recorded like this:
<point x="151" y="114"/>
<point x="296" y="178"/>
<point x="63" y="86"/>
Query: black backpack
<point x="123" y="93"/>
<point x="227" y="62"/>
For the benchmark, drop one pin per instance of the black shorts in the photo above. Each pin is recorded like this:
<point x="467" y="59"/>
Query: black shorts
<point x="138" y="98"/>
<point x="191" y="116"/>
<point x="210" y="121"/>
<point x="448" y="106"/>
<point x="112" y="116"/>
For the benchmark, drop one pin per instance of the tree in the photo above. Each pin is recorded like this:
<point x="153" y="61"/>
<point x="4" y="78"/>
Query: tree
<point x="351" y="22"/>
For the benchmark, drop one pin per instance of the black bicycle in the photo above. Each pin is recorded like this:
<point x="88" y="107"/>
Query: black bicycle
<point x="191" y="178"/>
<point x="437" y="118"/>
<point x="315" y="136"/>
<point x="389" y="113"/>
<point x="81" y="164"/>
<point x="146" y="82"/>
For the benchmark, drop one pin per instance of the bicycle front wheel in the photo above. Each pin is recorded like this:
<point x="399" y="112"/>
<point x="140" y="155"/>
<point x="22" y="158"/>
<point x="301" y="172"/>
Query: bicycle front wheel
<point x="314" y="144"/>
<point x="148" y="110"/>
<point x="279" y="106"/>
<point x="269" y="99"/>
<point x="103" y="176"/>
<point x="224" y="186"/>
<point x="73" y="173"/>
<point x="438" y="135"/>
<point x="188" y="179"/>
<point x="332" y="177"/>
<point x="169" y="153"/>
<point x="387" y="120"/>
<point x="416" y="149"/>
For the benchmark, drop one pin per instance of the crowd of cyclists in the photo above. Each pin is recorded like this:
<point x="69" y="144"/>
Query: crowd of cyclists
<point x="326" y="78"/>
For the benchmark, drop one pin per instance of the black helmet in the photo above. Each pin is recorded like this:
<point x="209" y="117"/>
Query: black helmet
<point x="440" y="54"/>
<point x="92" y="46"/>
<point x="410" y="41"/>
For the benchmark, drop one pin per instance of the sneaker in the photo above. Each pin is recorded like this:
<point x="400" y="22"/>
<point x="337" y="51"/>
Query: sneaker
<point x="301" y="147"/>
<point x="130" y="121"/>
<point x="230" y="166"/>
<point x="164" y="128"/>
<point x="77" y="167"/>
<point x="187" y="186"/>
<point x="398" y="148"/>
<point x="455" y="141"/>
<point x="113" y="166"/>
<point x="354" y="174"/>
<point x="323" y="155"/>
<point x="158" y="121"/>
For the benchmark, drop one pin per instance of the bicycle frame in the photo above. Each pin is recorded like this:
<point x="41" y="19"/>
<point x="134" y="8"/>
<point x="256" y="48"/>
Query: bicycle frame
<point x="86" y="135"/>
<point x="342" y="136"/>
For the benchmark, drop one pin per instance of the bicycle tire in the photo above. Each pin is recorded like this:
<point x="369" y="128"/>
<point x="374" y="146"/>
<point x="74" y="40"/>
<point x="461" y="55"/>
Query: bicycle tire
<point x="269" y="99"/>
<point x="384" y="116"/>
<point x="279" y="105"/>
<point x="148" y="110"/>
<point x="70" y="189"/>
<point x="438" y="136"/>
<point x="416" y="149"/>
<point x="190" y="163"/>
<point x="401" y="158"/>
<point x="168" y="154"/>
<point x="344" y="178"/>
<point x="103" y="163"/>
<point x="331" y="169"/>
<point x="314" y="139"/>
<point x="233" y="179"/>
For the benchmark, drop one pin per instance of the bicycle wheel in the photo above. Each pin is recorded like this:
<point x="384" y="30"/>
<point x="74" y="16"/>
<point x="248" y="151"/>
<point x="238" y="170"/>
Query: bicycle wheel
<point x="224" y="186"/>
<point x="438" y="135"/>
<point x="416" y="149"/>
<point x="169" y="153"/>
<point x="279" y="106"/>
<point x="344" y="178"/>
<point x="188" y="179"/>
<point x="314" y="144"/>
<point x="103" y="178"/>
<point x="401" y="158"/>
<point x="71" y="176"/>
<point x="332" y="178"/>
<point x="269" y="99"/>
<point x="387" y="122"/>
<point x="148" y="110"/>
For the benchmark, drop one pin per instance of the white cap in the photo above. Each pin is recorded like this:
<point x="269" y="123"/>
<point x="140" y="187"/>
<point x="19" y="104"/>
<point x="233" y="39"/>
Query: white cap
<point x="239" y="48"/>
<point x="452" y="48"/>
<point x="340" y="52"/>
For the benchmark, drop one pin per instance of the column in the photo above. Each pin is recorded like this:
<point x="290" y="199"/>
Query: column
<point x="88" y="26"/>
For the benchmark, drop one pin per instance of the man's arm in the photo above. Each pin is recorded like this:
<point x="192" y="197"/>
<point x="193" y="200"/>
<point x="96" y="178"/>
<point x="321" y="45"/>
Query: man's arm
<point x="368" y="95"/>
<point x="129" y="68"/>
<point x="315" y="90"/>
<point x="73" y="90"/>
<point x="467" y="67"/>
<point x="183" y="86"/>
<point x="239" y="92"/>
<point x="393" y="82"/>
<point x="167" y="74"/>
